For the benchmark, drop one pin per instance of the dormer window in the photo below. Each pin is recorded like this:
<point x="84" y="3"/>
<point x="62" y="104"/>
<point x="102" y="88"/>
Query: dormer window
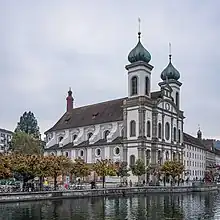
<point x="60" y="139"/>
<point x="74" y="137"/>
<point x="95" y="115"/>
<point x="106" y="133"/>
<point x="89" y="135"/>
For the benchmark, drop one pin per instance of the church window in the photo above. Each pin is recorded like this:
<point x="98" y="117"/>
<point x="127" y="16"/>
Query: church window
<point x="132" y="128"/>
<point x="134" y="85"/>
<point x="147" y="86"/>
<point x="132" y="160"/>
<point x="148" y="129"/>
<point x="159" y="157"/>
<point x="174" y="156"/>
<point x="81" y="153"/>
<point x="122" y="132"/>
<point x="174" y="133"/>
<point x="98" y="152"/>
<point x="106" y="133"/>
<point x="167" y="155"/>
<point x="89" y="135"/>
<point x="67" y="154"/>
<point x="177" y="99"/>
<point x="159" y="130"/>
<point x="117" y="151"/>
<point x="60" y="139"/>
<point x="167" y="131"/>
<point x="179" y="135"/>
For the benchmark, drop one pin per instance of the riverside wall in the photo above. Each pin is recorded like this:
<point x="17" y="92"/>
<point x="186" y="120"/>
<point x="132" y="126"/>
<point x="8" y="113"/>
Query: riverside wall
<point x="120" y="191"/>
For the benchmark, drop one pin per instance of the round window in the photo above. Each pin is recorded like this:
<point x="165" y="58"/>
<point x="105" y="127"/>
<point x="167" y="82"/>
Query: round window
<point x="98" y="152"/>
<point x="117" y="150"/>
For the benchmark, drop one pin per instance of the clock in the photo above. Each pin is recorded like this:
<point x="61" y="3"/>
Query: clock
<point x="167" y="106"/>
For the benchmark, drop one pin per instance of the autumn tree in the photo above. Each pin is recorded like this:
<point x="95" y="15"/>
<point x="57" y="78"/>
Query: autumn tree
<point x="28" y="124"/>
<point x="172" y="168"/>
<point x="58" y="165"/>
<point x="21" y="167"/>
<point x="105" y="168"/>
<point x="24" y="143"/>
<point x="5" y="167"/>
<point x="138" y="169"/>
<point x="79" y="168"/>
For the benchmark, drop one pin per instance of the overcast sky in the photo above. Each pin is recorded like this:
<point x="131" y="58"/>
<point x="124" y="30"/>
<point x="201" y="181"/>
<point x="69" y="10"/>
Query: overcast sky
<point x="46" y="46"/>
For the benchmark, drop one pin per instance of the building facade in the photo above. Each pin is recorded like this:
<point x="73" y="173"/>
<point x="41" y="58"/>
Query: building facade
<point x="145" y="124"/>
<point x="5" y="140"/>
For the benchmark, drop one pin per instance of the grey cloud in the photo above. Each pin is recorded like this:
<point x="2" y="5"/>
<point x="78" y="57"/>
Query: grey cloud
<point x="45" y="47"/>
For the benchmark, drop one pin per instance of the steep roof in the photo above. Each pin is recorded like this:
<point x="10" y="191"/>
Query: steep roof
<point x="98" y="113"/>
<point x="91" y="114"/>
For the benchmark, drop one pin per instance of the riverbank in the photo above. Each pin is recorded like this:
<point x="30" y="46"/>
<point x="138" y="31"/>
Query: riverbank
<point x="120" y="191"/>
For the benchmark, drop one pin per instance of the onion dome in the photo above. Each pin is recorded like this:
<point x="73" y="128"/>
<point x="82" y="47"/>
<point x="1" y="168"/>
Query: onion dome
<point x="139" y="53"/>
<point x="170" y="72"/>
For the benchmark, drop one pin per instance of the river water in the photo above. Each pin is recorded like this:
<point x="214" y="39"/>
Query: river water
<point x="152" y="207"/>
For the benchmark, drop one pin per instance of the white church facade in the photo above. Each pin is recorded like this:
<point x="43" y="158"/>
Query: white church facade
<point x="145" y="124"/>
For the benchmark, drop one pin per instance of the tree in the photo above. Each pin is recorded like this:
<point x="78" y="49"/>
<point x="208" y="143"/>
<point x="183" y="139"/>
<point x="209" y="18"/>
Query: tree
<point x="105" y="168"/>
<point x="172" y="168"/>
<point x="25" y="144"/>
<point x="21" y="167"/>
<point x="122" y="169"/>
<point x="139" y="168"/>
<point x="5" y="167"/>
<point x="28" y="124"/>
<point x="80" y="168"/>
<point x="58" y="165"/>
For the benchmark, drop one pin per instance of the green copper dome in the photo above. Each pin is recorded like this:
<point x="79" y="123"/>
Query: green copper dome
<point x="139" y="53"/>
<point x="170" y="72"/>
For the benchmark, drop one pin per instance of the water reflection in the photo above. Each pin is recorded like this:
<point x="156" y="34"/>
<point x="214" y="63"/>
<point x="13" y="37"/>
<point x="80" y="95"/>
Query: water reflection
<point x="152" y="207"/>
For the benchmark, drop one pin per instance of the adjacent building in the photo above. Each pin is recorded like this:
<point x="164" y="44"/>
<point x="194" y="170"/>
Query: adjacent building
<point x="145" y="124"/>
<point x="5" y="139"/>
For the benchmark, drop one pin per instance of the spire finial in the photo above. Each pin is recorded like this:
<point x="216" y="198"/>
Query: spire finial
<point x="199" y="127"/>
<point x="139" y="29"/>
<point x="170" y="54"/>
<point x="69" y="88"/>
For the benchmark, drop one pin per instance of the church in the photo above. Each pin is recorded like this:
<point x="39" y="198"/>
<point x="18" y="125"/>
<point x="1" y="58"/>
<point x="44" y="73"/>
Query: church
<point x="146" y="124"/>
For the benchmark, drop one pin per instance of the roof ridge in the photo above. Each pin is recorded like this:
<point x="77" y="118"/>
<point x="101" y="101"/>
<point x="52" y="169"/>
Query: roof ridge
<point x="103" y="102"/>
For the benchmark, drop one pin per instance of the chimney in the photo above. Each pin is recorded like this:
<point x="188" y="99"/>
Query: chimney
<point x="69" y="101"/>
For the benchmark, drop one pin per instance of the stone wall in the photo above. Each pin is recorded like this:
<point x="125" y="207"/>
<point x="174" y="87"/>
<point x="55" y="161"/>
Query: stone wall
<point x="122" y="191"/>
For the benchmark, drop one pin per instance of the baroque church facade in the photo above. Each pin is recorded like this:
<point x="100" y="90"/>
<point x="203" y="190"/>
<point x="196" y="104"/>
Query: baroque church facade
<point x="145" y="124"/>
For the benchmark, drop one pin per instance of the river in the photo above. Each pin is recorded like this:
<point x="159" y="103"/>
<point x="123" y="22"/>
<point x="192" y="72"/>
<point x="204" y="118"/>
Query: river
<point x="153" y="207"/>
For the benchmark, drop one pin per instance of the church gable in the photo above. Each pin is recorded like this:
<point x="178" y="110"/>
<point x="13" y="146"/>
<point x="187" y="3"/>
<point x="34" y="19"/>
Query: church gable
<point x="99" y="113"/>
<point x="168" y="106"/>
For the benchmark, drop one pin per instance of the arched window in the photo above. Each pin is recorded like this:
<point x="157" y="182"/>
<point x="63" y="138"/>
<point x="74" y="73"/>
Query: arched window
<point x="134" y="85"/>
<point x="81" y="153"/>
<point x="106" y="133"/>
<point x="174" y="133"/>
<point x="177" y="99"/>
<point x="159" y="130"/>
<point x="132" y="160"/>
<point x="74" y="137"/>
<point x="174" y="156"/>
<point x="147" y="86"/>
<point x="132" y="128"/>
<point x="167" y="155"/>
<point x="98" y="152"/>
<point x="167" y="131"/>
<point x="148" y="129"/>
<point x="159" y="158"/>
<point x="89" y="135"/>
<point x="179" y="135"/>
